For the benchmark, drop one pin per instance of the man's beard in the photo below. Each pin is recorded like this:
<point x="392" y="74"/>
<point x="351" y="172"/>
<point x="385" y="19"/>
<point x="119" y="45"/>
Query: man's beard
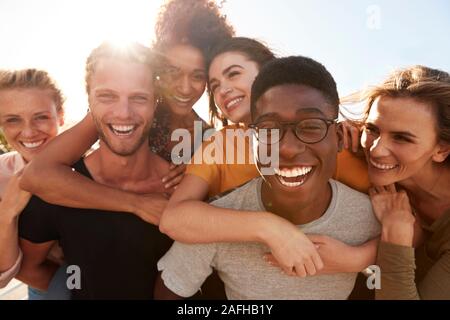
<point x="127" y="152"/>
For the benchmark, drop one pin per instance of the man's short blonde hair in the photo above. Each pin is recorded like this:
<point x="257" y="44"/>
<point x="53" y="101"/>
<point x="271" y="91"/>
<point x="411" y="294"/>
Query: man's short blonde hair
<point x="133" y="52"/>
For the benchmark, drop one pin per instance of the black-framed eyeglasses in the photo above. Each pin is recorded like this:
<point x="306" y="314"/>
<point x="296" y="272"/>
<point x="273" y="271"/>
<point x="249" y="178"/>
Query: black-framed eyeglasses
<point x="312" y="130"/>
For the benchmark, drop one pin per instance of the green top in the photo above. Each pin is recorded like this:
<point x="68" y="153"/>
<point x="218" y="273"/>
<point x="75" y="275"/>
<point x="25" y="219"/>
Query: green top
<point x="423" y="273"/>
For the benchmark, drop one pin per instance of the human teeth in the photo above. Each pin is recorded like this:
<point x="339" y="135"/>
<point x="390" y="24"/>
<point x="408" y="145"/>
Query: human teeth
<point x="122" y="129"/>
<point x="382" y="166"/>
<point x="291" y="173"/>
<point x="181" y="99"/>
<point x="33" y="144"/>
<point x="233" y="102"/>
<point x="291" y="184"/>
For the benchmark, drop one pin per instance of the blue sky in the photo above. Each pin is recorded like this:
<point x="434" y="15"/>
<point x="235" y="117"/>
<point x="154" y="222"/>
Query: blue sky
<point x="359" y="41"/>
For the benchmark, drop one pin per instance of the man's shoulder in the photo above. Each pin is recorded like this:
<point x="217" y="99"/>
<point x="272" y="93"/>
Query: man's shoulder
<point x="346" y="193"/>
<point x="243" y="197"/>
<point x="353" y="208"/>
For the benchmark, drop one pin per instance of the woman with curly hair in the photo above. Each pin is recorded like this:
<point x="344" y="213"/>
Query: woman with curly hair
<point x="186" y="30"/>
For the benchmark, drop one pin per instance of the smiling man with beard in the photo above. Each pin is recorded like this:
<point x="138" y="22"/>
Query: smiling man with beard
<point x="116" y="252"/>
<point x="297" y="97"/>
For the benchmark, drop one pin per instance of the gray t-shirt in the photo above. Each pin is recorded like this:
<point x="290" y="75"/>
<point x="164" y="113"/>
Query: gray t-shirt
<point x="241" y="266"/>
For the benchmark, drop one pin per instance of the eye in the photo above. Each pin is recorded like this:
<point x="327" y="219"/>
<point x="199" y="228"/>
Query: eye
<point x="12" y="120"/>
<point x="199" y="77"/>
<point x="139" y="99"/>
<point x="42" y="117"/>
<point x="401" y="138"/>
<point x="106" y="97"/>
<point x="233" y="73"/>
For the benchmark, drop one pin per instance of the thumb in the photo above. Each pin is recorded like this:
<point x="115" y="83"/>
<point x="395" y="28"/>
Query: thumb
<point x="316" y="238"/>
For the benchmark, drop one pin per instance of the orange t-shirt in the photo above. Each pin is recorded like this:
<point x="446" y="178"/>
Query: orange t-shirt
<point x="222" y="176"/>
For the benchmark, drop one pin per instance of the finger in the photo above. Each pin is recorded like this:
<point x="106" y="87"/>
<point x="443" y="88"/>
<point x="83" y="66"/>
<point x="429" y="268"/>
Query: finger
<point x="355" y="139"/>
<point x="316" y="238"/>
<point x="380" y="189"/>
<point x="391" y="188"/>
<point x="345" y="136"/>
<point x="172" y="174"/>
<point x="174" y="182"/>
<point x="372" y="192"/>
<point x="310" y="268"/>
<point x="300" y="270"/>
<point x="317" y="260"/>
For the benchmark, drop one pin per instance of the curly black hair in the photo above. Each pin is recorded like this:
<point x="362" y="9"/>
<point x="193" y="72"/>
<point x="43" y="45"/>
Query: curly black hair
<point x="195" y="22"/>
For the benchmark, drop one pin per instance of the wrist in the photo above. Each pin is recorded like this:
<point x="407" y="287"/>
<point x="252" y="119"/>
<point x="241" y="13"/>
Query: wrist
<point x="129" y="204"/>
<point x="400" y="234"/>
<point x="268" y="228"/>
<point x="8" y="215"/>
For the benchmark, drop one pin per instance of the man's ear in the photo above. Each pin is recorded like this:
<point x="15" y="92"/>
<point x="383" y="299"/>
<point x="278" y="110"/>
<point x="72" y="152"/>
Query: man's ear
<point x="61" y="118"/>
<point x="340" y="136"/>
<point x="442" y="152"/>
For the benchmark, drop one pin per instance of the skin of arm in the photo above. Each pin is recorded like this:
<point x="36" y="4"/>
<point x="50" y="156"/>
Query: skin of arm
<point x="161" y="292"/>
<point x="36" y="270"/>
<point x="188" y="219"/>
<point x="14" y="201"/>
<point x="68" y="188"/>
<point x="339" y="257"/>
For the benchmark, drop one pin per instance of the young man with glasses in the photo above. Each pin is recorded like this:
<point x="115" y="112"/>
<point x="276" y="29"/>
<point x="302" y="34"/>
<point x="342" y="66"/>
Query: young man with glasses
<point x="294" y="108"/>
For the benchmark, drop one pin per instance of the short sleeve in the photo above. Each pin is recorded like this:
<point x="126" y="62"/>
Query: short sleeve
<point x="36" y="222"/>
<point x="207" y="169"/>
<point x="186" y="266"/>
<point x="351" y="170"/>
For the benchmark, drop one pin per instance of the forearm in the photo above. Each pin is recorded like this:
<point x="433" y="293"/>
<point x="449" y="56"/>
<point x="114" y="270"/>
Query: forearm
<point x="38" y="276"/>
<point x="67" y="188"/>
<point x="366" y="255"/>
<point x="9" y="241"/>
<point x="397" y="266"/>
<point x="193" y="221"/>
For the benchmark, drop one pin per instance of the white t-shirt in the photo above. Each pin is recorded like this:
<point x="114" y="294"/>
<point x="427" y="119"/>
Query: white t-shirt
<point x="246" y="275"/>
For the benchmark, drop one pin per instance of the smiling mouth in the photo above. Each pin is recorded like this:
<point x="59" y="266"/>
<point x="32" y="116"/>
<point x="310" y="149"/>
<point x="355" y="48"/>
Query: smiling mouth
<point x="181" y="99"/>
<point x="382" y="166"/>
<point x="32" y="145"/>
<point x="233" y="102"/>
<point x="122" y="130"/>
<point x="293" y="177"/>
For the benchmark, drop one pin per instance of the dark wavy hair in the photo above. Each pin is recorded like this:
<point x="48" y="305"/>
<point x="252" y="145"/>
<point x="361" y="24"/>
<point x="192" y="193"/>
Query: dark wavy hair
<point x="195" y="22"/>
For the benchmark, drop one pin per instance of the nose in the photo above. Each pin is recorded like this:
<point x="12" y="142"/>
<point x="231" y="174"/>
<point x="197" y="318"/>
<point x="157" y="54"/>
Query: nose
<point x="290" y="145"/>
<point x="29" y="130"/>
<point x="184" y="85"/>
<point x="224" y="90"/>
<point x="378" y="147"/>
<point x="122" y="109"/>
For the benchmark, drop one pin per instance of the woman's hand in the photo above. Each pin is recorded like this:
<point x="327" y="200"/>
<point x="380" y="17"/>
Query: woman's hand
<point x="14" y="199"/>
<point x="173" y="178"/>
<point x="339" y="257"/>
<point x="294" y="252"/>
<point x="351" y="136"/>
<point x="394" y="212"/>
